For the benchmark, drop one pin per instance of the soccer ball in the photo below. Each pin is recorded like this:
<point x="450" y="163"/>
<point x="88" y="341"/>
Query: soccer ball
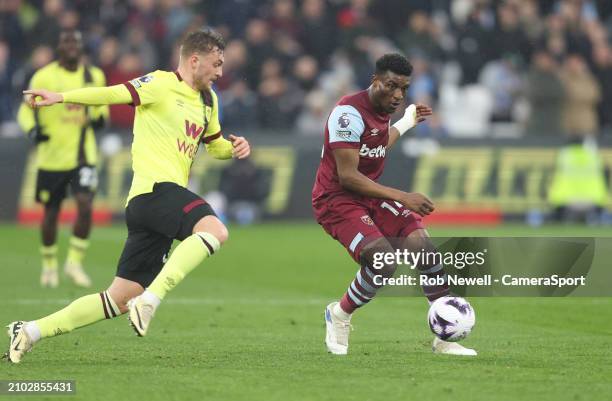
<point x="451" y="318"/>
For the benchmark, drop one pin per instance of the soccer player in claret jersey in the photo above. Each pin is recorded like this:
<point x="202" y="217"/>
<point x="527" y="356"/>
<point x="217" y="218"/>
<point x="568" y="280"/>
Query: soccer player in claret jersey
<point x="175" y="112"/>
<point x="364" y="216"/>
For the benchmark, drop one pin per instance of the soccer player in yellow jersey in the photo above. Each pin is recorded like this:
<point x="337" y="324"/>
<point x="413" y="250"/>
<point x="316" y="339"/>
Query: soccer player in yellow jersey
<point x="175" y="112"/>
<point x="66" y="155"/>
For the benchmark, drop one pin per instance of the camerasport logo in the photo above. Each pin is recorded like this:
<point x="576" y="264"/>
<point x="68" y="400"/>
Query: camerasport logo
<point x="375" y="153"/>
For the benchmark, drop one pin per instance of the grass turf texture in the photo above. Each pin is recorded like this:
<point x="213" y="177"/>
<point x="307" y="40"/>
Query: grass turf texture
<point x="248" y="325"/>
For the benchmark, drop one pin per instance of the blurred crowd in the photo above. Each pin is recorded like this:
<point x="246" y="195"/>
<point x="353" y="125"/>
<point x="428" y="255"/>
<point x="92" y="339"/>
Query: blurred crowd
<point x="487" y="66"/>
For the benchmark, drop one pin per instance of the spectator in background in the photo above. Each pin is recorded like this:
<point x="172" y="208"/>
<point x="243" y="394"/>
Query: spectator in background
<point x="47" y="27"/>
<point x="423" y="86"/>
<point x="136" y="42"/>
<point x="239" y="107"/>
<point x="418" y="37"/>
<point x="283" y="20"/>
<point x="577" y="40"/>
<point x="245" y="188"/>
<point x="306" y="72"/>
<point x="6" y="75"/>
<point x="69" y="19"/>
<point x="128" y="67"/>
<point x="313" y="114"/>
<point x="557" y="47"/>
<point x="530" y="20"/>
<point x="11" y="29"/>
<point x="108" y="55"/>
<point x="41" y="56"/>
<point x="460" y="39"/>
<point x="582" y="95"/>
<point x="279" y="99"/>
<point x="545" y="94"/>
<point x="259" y="49"/>
<point x="175" y="17"/>
<point x="473" y="46"/>
<point x="357" y="32"/>
<point x="234" y="66"/>
<point x="232" y="15"/>
<point x="318" y="34"/>
<point x="144" y="14"/>
<point x="602" y="56"/>
<point x="510" y="39"/>
<point x="502" y="78"/>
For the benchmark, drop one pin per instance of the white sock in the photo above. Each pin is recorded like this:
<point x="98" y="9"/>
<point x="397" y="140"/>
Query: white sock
<point x="339" y="312"/>
<point x="32" y="330"/>
<point x="151" y="298"/>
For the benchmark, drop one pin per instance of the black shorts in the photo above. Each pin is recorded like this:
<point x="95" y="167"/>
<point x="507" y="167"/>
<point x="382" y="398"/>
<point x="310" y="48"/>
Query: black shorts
<point x="154" y="220"/>
<point x="52" y="186"/>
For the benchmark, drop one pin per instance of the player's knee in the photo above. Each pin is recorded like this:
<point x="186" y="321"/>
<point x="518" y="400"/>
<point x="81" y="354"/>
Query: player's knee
<point x="213" y="226"/>
<point x="373" y="256"/>
<point x="419" y="242"/>
<point x="51" y="212"/>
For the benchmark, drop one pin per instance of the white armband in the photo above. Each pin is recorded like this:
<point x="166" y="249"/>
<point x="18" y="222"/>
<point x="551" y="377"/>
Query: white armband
<point x="408" y="121"/>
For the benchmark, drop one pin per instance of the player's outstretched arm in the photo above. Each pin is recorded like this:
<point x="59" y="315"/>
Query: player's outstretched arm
<point x="347" y="162"/>
<point x="414" y="114"/>
<point x="116" y="94"/>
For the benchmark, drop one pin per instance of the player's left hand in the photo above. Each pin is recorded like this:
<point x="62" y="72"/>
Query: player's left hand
<point x="422" y="112"/>
<point x="242" y="149"/>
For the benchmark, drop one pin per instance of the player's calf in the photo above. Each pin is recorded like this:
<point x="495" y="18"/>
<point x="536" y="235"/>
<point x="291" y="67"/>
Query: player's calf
<point x="367" y="281"/>
<point x="433" y="278"/>
<point x="81" y="312"/>
<point x="187" y="255"/>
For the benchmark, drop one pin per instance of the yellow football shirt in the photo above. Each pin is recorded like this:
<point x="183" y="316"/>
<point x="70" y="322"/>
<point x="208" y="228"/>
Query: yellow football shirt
<point x="63" y="122"/>
<point x="171" y="119"/>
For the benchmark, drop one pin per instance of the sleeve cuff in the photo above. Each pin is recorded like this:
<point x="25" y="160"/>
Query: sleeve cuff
<point x="344" y="145"/>
<point x="209" y="139"/>
<point x="133" y="93"/>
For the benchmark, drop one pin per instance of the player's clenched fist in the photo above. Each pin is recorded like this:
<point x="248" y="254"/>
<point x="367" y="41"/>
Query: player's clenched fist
<point x="48" y="98"/>
<point x="418" y="203"/>
<point x="242" y="149"/>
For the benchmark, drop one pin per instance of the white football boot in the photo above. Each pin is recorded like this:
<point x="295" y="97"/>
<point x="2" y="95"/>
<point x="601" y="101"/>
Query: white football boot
<point x="77" y="275"/>
<point x="337" y="331"/>
<point x="19" y="342"/>
<point x="140" y="314"/>
<point x="49" y="278"/>
<point x="449" y="348"/>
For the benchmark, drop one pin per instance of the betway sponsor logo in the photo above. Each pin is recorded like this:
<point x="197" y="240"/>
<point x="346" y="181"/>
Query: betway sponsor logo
<point x="375" y="153"/>
<point x="189" y="149"/>
<point x="191" y="131"/>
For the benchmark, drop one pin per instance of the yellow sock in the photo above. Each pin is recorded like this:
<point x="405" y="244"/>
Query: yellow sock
<point x="187" y="255"/>
<point x="81" y="312"/>
<point x="49" y="257"/>
<point x="76" y="251"/>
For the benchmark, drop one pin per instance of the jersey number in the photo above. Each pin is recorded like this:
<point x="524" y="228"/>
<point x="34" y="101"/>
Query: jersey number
<point x="88" y="177"/>
<point x="392" y="209"/>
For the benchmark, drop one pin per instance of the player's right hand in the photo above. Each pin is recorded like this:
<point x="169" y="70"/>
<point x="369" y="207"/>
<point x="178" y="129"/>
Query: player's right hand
<point x="48" y="98"/>
<point x="418" y="203"/>
<point x="37" y="135"/>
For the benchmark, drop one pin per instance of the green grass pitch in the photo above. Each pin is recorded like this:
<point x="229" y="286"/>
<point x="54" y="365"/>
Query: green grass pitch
<point x="248" y="325"/>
